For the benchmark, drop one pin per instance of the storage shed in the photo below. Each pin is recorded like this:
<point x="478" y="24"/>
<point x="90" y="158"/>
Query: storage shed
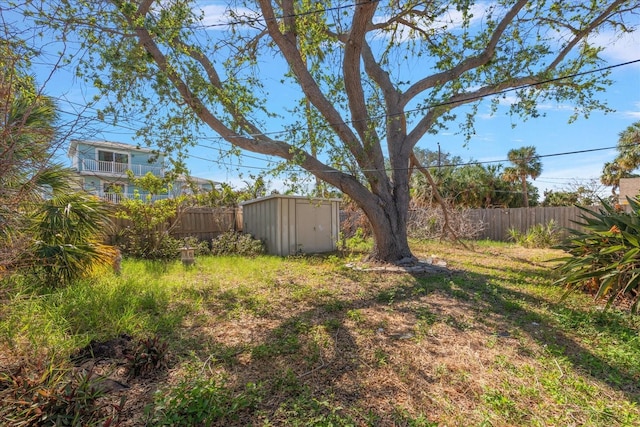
<point x="293" y="224"/>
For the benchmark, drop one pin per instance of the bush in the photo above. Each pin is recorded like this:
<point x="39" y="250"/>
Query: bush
<point x="606" y="257"/>
<point x="358" y="242"/>
<point x="197" y="400"/>
<point x="149" y="234"/>
<point x="67" y="234"/>
<point x="138" y="246"/>
<point x="538" y="236"/>
<point x="234" y="243"/>
<point x="428" y="222"/>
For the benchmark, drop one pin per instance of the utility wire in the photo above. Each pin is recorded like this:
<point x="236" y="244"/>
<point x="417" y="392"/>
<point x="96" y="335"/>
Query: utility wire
<point x="292" y="15"/>
<point x="445" y="103"/>
<point x="471" y="98"/>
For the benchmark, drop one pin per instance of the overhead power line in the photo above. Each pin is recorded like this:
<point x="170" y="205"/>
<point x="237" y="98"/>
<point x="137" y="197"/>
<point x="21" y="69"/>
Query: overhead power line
<point x="448" y="103"/>
<point x="261" y="18"/>
<point x="445" y="103"/>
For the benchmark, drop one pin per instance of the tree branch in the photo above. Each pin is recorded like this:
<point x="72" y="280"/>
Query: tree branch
<point x="468" y="64"/>
<point x="309" y="86"/>
<point x="414" y="162"/>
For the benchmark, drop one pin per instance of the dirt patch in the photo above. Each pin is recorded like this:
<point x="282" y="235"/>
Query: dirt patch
<point x="111" y="363"/>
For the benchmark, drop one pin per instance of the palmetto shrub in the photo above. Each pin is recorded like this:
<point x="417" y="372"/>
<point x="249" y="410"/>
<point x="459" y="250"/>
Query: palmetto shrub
<point x="605" y="257"/>
<point x="67" y="237"/>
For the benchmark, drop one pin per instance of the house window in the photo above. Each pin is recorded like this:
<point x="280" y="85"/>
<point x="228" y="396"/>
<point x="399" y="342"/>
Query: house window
<point x="110" y="161"/>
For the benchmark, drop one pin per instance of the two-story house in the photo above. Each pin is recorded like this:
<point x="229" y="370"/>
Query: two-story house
<point x="103" y="166"/>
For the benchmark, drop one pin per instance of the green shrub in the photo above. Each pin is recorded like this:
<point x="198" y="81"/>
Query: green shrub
<point x="148" y="235"/>
<point x="197" y="400"/>
<point x="538" y="236"/>
<point x="234" y="243"/>
<point x="358" y="242"/>
<point x="138" y="246"/>
<point x="605" y="258"/>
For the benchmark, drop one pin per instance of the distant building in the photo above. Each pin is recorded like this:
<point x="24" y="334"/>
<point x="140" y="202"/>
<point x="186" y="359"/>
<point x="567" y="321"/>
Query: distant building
<point x="629" y="187"/>
<point x="103" y="166"/>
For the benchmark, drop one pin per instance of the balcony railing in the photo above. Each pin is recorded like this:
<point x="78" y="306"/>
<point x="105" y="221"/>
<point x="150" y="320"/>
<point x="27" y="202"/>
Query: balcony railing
<point x="115" y="168"/>
<point x="119" y="197"/>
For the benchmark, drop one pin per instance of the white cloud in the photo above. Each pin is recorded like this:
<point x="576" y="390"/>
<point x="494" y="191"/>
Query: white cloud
<point x="218" y="16"/>
<point x="454" y="19"/>
<point x="623" y="48"/>
<point x="632" y="114"/>
<point x="451" y="19"/>
<point x="215" y="14"/>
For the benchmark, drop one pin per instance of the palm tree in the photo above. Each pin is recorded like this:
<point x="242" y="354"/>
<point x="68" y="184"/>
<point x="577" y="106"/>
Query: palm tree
<point x="627" y="160"/>
<point x="526" y="163"/>
<point x="44" y="225"/>
<point x="26" y="131"/>
<point x="629" y="147"/>
<point x="611" y="174"/>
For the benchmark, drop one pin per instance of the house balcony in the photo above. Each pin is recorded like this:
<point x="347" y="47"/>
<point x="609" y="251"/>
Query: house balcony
<point x="98" y="167"/>
<point x="119" y="197"/>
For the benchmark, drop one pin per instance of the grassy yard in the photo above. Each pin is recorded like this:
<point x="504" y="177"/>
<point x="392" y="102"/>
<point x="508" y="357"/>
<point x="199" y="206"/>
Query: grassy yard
<point x="306" y="341"/>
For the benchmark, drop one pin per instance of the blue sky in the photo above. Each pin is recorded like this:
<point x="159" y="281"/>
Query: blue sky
<point x="551" y="134"/>
<point x="495" y="135"/>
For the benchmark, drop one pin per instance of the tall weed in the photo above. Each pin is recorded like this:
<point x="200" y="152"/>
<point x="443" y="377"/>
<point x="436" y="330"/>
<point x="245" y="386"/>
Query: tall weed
<point x="538" y="236"/>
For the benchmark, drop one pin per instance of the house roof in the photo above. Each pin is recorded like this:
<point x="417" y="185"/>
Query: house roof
<point x="196" y="180"/>
<point x="73" y="147"/>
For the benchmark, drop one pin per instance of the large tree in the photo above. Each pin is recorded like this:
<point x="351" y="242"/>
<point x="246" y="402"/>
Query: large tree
<point x="362" y="82"/>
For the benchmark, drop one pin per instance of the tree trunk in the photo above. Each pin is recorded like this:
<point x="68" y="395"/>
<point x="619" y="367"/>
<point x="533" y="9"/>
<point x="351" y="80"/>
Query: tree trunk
<point x="387" y="213"/>
<point x="390" y="237"/>
<point x="525" y="191"/>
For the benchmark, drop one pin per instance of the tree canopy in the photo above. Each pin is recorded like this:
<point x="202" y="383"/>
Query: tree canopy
<point x="467" y="184"/>
<point x="351" y="88"/>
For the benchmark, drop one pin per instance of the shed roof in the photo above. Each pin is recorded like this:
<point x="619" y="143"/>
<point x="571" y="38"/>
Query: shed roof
<point x="285" y="196"/>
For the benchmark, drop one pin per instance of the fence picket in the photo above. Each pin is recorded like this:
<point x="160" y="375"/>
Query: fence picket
<point x="497" y="222"/>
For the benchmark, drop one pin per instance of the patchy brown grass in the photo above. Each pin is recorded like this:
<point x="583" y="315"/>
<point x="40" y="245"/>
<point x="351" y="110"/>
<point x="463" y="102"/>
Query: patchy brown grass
<point x="487" y="343"/>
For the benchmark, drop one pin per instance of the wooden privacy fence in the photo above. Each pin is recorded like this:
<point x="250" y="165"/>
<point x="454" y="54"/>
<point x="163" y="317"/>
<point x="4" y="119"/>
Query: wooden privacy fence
<point x="207" y="223"/>
<point x="200" y="222"/>
<point x="497" y="222"/>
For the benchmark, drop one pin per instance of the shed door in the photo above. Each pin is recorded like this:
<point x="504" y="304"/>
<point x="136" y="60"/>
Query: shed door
<point x="313" y="227"/>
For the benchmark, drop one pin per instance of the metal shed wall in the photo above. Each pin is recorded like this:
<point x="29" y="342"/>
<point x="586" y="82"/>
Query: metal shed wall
<point x="290" y="224"/>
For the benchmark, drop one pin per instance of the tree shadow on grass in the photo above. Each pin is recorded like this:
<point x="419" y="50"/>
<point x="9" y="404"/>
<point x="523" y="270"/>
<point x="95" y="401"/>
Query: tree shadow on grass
<point x="309" y="361"/>
<point x="547" y="332"/>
